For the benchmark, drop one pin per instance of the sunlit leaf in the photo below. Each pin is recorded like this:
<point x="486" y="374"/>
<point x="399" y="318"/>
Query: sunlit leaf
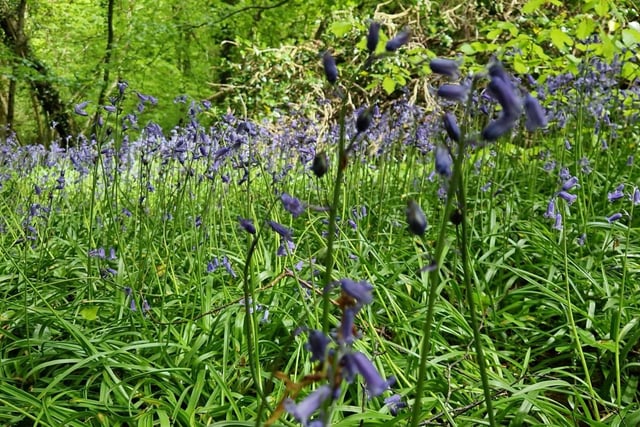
<point x="89" y="313"/>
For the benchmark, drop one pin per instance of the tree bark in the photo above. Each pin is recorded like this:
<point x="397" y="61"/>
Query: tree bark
<point x="12" y="25"/>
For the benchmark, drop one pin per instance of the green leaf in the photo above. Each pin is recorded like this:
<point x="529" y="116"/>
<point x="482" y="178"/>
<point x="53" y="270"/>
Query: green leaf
<point x="585" y="27"/>
<point x="467" y="49"/>
<point x="630" y="37"/>
<point x="519" y="65"/>
<point x="340" y="28"/>
<point x="560" y="39"/>
<point x="602" y="8"/>
<point x="532" y="6"/>
<point x="389" y="85"/>
<point x="89" y="313"/>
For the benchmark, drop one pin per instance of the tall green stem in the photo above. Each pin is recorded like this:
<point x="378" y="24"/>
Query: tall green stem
<point x="333" y="213"/>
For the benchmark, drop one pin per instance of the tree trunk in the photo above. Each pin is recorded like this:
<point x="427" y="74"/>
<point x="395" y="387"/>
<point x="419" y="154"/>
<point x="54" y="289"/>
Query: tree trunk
<point x="12" y="25"/>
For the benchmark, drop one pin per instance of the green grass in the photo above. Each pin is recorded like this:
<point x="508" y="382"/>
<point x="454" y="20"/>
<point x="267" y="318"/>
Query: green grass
<point x="559" y="321"/>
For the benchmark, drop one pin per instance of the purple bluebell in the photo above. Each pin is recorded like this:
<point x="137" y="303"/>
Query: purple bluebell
<point x="445" y="67"/>
<point x="451" y="126"/>
<point x="630" y="161"/>
<point x="79" y="109"/>
<point x="613" y="218"/>
<point x="317" y="345"/>
<point x="568" y="197"/>
<point x="535" y="116"/>
<point x="617" y="194"/>
<point x="292" y="205"/>
<point x="283" y="231"/>
<point x="320" y="164"/>
<point x="286" y="248"/>
<point x="347" y="327"/>
<point x="503" y="92"/>
<point x="450" y="92"/>
<point x="122" y="86"/>
<point x="247" y="225"/>
<point x="128" y="291"/>
<point x="498" y="127"/>
<point x="443" y="161"/>
<point x="360" y="291"/>
<point x="551" y="209"/>
<point x="132" y="305"/>
<point x="330" y="68"/>
<point x="112" y="254"/>
<point x="570" y="183"/>
<point x="416" y="219"/>
<point x="304" y="410"/>
<point x="213" y="265"/>
<point x="395" y="404"/>
<point x="227" y="265"/>
<point x="582" y="239"/>
<point x="375" y="384"/>
<point x="635" y="198"/>
<point x="558" y="222"/>
<point x="373" y="36"/>
<point x="97" y="253"/>
<point x="363" y="121"/>
<point x="398" y="41"/>
<point x="145" y="306"/>
<point x="110" y="108"/>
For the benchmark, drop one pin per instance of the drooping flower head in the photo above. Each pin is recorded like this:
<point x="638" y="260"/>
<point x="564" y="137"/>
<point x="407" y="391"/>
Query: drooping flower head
<point x="416" y="219"/>
<point x="360" y="291"/>
<point x="443" y="161"/>
<point x="534" y="113"/>
<point x="398" y="41"/>
<point x="445" y="67"/>
<point x="373" y="36"/>
<point x="304" y="410"/>
<point x="330" y="68"/>
<point x="456" y="93"/>
<point x="451" y="126"/>
<point x="359" y="363"/>
<point x="292" y="205"/>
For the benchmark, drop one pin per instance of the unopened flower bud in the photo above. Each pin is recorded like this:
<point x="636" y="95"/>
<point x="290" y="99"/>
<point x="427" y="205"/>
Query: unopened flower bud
<point x="320" y="164"/>
<point x="416" y="219"/>
<point x="330" y="68"/>
<point x="373" y="36"/>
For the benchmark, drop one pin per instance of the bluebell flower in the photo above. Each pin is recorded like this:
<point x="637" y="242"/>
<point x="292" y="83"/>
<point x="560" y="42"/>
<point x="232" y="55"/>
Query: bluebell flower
<point x="551" y="209"/>
<point x="375" y="384"/>
<point x="286" y="247"/>
<point x="398" y="41"/>
<point x="347" y="326"/>
<point x="373" y="36"/>
<point x="145" y="306"/>
<point x="395" y="404"/>
<point x="317" y="345"/>
<point x="443" y="161"/>
<point x="213" y="265"/>
<point x="582" y="239"/>
<point x="457" y="93"/>
<point x="502" y="90"/>
<point x="360" y="291"/>
<point x="132" y="305"/>
<point x="416" y="219"/>
<point x="292" y="205"/>
<point x="79" y="109"/>
<point x="330" y="68"/>
<point x="534" y="113"/>
<point x="568" y="197"/>
<point x="97" y="253"/>
<point x="613" y="218"/>
<point x="445" y="67"/>
<point x="635" y="198"/>
<point x="283" y="231"/>
<point x="227" y="266"/>
<point x="558" y="223"/>
<point x="617" y="194"/>
<point x="304" y="410"/>
<point x="320" y="164"/>
<point x="498" y="127"/>
<point x="451" y="126"/>
<point x="570" y="183"/>
<point x="247" y="225"/>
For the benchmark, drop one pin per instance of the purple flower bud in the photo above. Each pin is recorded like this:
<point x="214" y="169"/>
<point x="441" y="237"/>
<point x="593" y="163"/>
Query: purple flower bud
<point x="451" y="126"/>
<point x="416" y="218"/>
<point x="443" y="161"/>
<point x="330" y="68"/>
<point x="534" y="113"/>
<point x="345" y="335"/>
<point x="617" y="194"/>
<point x="305" y="409"/>
<point x="395" y="404"/>
<point x="247" y="225"/>
<point x="503" y="92"/>
<point x="373" y="36"/>
<point x="613" y="218"/>
<point x="498" y="127"/>
<point x="360" y="291"/>
<point x="453" y="92"/>
<point x="398" y="41"/>
<point x="364" y="120"/>
<point x="227" y="266"/>
<point x="283" y="231"/>
<point x="317" y="345"/>
<point x="636" y="197"/>
<point x="445" y="67"/>
<point x="213" y="265"/>
<point x="320" y="164"/>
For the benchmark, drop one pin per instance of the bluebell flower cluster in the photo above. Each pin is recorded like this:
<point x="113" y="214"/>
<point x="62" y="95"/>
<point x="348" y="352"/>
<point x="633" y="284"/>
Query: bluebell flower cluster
<point x="338" y="361"/>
